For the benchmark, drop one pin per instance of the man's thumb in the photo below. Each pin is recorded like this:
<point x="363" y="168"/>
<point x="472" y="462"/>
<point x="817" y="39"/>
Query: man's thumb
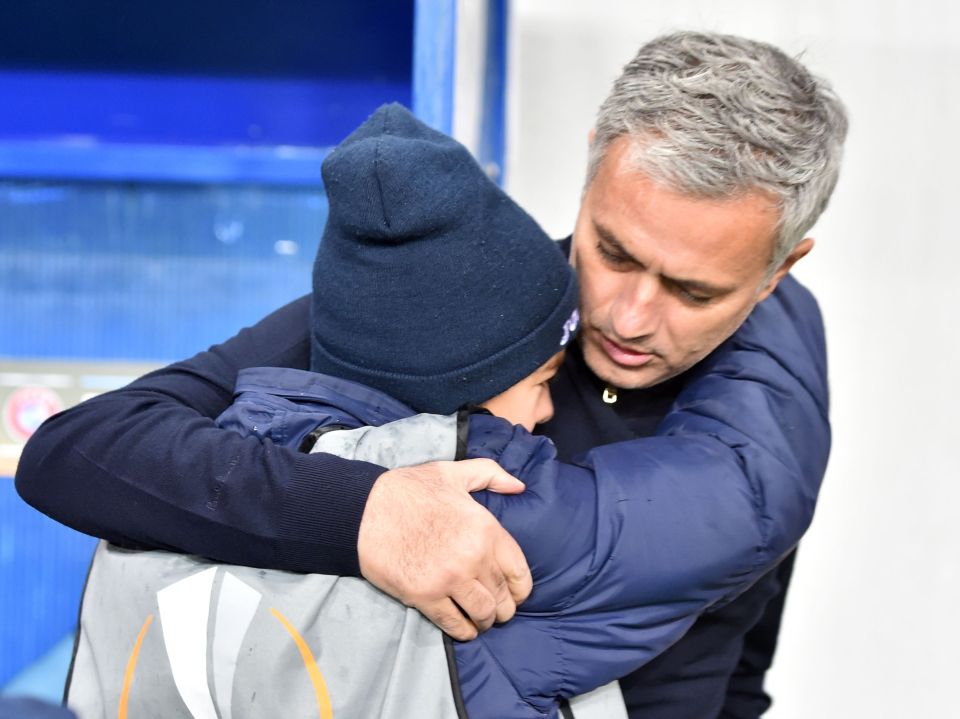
<point x="480" y="474"/>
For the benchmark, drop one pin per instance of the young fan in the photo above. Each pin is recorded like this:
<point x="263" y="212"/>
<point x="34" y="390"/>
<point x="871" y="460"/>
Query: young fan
<point x="433" y="292"/>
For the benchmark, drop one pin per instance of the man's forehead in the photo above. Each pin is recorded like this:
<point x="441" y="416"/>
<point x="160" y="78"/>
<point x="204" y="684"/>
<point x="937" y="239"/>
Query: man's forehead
<point x="625" y="162"/>
<point x="693" y="237"/>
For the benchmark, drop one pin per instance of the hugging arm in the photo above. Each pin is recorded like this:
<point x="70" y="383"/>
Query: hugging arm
<point x="146" y="466"/>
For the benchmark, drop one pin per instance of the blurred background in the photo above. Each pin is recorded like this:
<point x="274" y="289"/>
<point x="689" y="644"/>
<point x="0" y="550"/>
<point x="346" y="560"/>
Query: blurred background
<point x="160" y="188"/>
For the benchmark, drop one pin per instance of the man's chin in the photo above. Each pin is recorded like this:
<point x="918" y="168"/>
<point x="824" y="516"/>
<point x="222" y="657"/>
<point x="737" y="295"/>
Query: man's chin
<point x="615" y="375"/>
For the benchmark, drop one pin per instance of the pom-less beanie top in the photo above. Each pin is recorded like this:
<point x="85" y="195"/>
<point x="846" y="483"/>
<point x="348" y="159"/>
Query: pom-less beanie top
<point x="430" y="283"/>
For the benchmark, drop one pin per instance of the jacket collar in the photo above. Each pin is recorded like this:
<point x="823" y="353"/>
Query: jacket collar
<point x="368" y="406"/>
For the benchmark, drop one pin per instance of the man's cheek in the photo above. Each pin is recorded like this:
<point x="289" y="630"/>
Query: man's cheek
<point x="691" y="342"/>
<point x="593" y="307"/>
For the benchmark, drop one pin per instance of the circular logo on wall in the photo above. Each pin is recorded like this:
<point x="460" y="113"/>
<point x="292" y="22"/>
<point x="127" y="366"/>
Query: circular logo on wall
<point x="27" y="408"/>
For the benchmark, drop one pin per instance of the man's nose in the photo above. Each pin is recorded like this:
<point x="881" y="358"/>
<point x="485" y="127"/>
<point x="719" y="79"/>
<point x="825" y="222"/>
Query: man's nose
<point x="637" y="309"/>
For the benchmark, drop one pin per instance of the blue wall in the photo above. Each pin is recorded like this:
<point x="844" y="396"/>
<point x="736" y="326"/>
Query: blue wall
<point x="296" y="72"/>
<point x="159" y="189"/>
<point x="147" y="272"/>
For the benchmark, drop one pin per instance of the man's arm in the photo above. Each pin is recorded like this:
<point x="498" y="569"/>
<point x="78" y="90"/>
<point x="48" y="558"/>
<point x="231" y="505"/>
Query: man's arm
<point x="146" y="466"/>
<point x="113" y="442"/>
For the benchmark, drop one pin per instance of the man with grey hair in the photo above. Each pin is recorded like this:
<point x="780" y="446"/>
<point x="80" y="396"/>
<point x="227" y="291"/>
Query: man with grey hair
<point x="711" y="159"/>
<point x="700" y="369"/>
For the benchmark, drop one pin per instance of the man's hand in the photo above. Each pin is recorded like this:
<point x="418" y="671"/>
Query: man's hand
<point x="424" y="540"/>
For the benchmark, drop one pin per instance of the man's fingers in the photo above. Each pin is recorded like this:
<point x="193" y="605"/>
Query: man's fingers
<point x="496" y="583"/>
<point x="476" y="474"/>
<point x="477" y="603"/>
<point x="447" y="615"/>
<point x="509" y="558"/>
<point x="424" y="540"/>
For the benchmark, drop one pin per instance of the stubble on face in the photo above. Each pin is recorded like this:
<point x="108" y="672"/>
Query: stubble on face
<point x="665" y="277"/>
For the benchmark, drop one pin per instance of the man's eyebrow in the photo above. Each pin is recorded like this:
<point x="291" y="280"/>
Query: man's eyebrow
<point x="688" y="284"/>
<point x="698" y="286"/>
<point x="608" y="237"/>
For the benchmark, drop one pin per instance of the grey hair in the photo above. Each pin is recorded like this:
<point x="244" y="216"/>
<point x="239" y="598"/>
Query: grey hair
<point x="718" y="116"/>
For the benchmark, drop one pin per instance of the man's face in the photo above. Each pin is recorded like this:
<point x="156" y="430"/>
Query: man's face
<point x="665" y="277"/>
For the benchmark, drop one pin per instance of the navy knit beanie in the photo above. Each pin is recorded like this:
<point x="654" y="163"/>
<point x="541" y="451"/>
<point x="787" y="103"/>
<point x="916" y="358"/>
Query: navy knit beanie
<point x="431" y="284"/>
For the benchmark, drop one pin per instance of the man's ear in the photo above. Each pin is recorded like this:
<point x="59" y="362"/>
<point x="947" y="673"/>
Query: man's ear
<point x="798" y="253"/>
<point x="591" y="135"/>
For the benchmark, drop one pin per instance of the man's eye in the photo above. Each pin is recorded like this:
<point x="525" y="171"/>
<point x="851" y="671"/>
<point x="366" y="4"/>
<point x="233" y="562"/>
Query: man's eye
<point x="609" y="256"/>
<point x="693" y="299"/>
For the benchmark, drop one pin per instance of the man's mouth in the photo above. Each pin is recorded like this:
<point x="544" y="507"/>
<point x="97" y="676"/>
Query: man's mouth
<point x="624" y="355"/>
